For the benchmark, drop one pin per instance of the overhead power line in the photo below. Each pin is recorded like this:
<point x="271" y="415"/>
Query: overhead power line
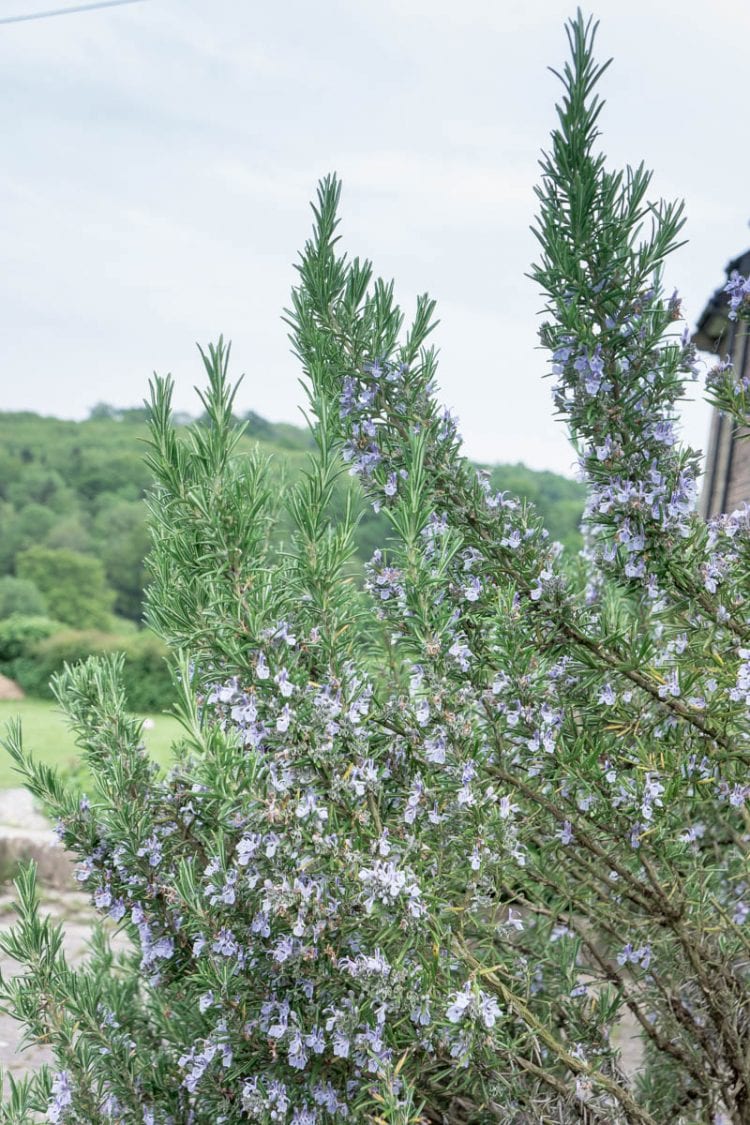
<point x="67" y="11"/>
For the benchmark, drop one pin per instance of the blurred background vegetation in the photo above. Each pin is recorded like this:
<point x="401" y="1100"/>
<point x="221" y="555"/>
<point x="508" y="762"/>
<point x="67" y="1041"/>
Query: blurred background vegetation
<point x="73" y="538"/>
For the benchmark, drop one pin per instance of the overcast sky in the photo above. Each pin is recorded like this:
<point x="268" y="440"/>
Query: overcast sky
<point x="157" y="160"/>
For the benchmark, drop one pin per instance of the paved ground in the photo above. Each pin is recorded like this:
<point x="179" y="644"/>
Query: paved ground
<point x="69" y="907"/>
<point x="24" y="833"/>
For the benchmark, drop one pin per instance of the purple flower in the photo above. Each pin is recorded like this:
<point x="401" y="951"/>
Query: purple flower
<point x="671" y="686"/>
<point x="225" y="944"/>
<point x="738" y="289"/>
<point x="473" y="1004"/>
<point x="630" y="956"/>
<point x="296" y="1053"/>
<point x="285" y="686"/>
<point x="111" y="1107"/>
<point x="607" y="695"/>
<point x="565" y="834"/>
<point x="316" y="1041"/>
<point x="604" y="452"/>
<point x="461" y="653"/>
<point x="62" y="1097"/>
<point x="247" y="847"/>
<point x="591" y="367"/>
<point x="84" y="869"/>
<point x="163" y="948"/>
<point x="422" y="712"/>
<point x="507" y="808"/>
<point x="473" y="590"/>
<point x="489" y="1010"/>
<point x="284" y="949"/>
<point x="151" y="849"/>
<point x="102" y="897"/>
<point x="117" y="910"/>
<point x="340" y="1045"/>
<point x="435" y="749"/>
<point x="460" y="1004"/>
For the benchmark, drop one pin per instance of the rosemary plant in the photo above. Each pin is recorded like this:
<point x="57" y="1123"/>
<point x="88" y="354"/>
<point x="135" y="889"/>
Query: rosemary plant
<point x="430" y="844"/>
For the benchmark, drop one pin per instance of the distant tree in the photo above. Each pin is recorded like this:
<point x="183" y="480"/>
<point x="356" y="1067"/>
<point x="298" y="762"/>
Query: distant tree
<point x="134" y="414"/>
<point x="100" y="469"/>
<point x="257" y="427"/>
<point x="20" y="530"/>
<point x="10" y="470"/>
<point x="103" y="411"/>
<point x="70" y="534"/>
<point x="18" y="635"/>
<point x="20" y="596"/>
<point x="74" y="585"/>
<point x="122" y="543"/>
<point x="41" y="485"/>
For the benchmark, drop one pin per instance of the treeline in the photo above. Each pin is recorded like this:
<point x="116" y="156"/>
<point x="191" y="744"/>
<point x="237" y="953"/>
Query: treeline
<point x="73" y="533"/>
<point x="72" y="519"/>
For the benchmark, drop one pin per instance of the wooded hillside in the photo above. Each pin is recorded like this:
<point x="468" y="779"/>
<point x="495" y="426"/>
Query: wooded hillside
<point x="72" y="517"/>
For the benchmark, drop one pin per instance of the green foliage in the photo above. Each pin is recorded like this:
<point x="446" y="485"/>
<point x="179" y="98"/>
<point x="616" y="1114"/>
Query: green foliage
<point x="146" y="679"/>
<point x="18" y="634"/>
<point x="558" y="499"/>
<point x="20" y="529"/>
<point x="73" y="585"/>
<point x="34" y="649"/>
<point x="120" y="530"/>
<point x="70" y="533"/>
<point x="80" y="486"/>
<point x="40" y="485"/>
<point x="20" y="596"/>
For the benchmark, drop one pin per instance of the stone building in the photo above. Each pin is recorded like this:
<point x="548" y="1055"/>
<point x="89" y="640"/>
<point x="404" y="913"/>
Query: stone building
<point x="726" y="484"/>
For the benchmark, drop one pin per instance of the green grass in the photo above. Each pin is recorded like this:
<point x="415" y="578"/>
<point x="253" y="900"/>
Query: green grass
<point x="46" y="735"/>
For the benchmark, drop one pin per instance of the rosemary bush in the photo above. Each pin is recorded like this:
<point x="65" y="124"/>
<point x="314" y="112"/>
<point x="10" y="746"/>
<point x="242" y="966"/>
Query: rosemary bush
<point x="425" y="845"/>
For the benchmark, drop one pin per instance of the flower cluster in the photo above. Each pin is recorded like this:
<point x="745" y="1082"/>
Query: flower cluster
<point x="738" y="289"/>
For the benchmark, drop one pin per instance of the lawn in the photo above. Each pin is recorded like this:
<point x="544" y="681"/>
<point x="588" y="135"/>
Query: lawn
<point x="48" y="738"/>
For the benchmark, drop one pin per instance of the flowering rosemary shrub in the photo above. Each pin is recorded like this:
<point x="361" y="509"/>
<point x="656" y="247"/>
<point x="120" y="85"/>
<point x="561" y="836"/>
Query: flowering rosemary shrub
<point x="425" y="845"/>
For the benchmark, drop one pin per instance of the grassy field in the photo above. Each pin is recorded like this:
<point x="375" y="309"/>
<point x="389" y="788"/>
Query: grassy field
<point x="48" y="738"/>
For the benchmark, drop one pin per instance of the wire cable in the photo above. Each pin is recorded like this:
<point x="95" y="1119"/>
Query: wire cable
<point x="67" y="11"/>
